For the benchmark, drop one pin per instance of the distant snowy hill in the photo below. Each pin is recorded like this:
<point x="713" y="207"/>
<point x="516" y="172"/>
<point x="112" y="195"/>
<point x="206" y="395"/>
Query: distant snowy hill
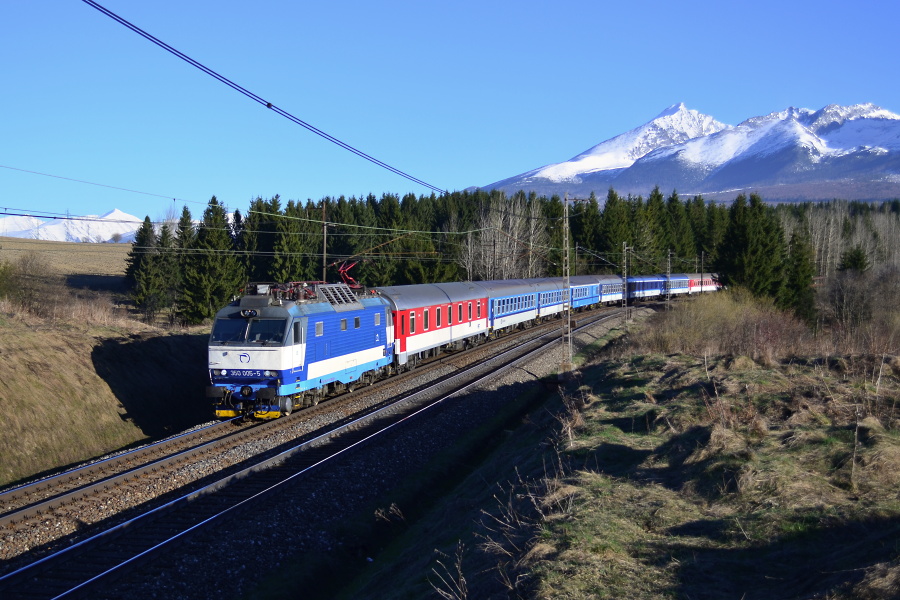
<point x="850" y="152"/>
<point x="89" y="228"/>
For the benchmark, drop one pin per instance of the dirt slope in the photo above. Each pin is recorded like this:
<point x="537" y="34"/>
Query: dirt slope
<point x="72" y="392"/>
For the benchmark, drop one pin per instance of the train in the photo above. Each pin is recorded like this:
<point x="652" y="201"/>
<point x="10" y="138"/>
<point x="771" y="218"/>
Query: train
<point x="280" y="347"/>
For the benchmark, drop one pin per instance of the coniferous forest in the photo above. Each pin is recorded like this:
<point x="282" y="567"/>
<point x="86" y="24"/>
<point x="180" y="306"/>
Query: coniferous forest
<point x="812" y="259"/>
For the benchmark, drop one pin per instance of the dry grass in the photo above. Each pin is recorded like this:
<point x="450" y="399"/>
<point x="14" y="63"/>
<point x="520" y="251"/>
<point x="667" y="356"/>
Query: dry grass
<point x="81" y="375"/>
<point x="68" y="258"/>
<point x="57" y="410"/>
<point x="718" y="477"/>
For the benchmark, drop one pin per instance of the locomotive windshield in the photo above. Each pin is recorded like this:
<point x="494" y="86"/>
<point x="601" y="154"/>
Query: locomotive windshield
<point x="252" y="331"/>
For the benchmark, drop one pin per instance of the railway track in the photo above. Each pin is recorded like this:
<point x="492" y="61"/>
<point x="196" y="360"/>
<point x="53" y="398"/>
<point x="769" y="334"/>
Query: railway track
<point x="67" y="568"/>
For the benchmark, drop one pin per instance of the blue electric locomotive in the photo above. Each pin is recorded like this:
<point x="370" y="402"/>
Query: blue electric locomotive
<point x="280" y="347"/>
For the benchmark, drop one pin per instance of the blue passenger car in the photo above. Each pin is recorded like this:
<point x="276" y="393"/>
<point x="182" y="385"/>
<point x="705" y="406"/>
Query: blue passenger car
<point x="611" y="288"/>
<point x="678" y="284"/>
<point x="646" y="286"/>
<point x="510" y="302"/>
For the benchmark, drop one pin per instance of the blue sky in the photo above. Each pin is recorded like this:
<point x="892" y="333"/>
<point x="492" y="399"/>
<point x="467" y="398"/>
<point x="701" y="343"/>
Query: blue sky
<point x="456" y="93"/>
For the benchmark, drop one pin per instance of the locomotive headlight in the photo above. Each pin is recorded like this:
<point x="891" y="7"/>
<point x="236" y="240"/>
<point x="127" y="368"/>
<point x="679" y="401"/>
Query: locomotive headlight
<point x="268" y="373"/>
<point x="246" y="391"/>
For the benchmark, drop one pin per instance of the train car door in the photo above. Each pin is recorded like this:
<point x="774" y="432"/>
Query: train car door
<point x="298" y="352"/>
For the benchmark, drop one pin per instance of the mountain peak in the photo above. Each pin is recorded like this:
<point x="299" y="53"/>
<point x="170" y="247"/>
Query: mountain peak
<point x="672" y="110"/>
<point x="792" y="153"/>
<point x="675" y="125"/>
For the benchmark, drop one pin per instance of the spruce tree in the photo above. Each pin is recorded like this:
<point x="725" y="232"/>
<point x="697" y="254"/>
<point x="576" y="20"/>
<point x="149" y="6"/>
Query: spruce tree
<point x="213" y="273"/>
<point x="169" y="268"/>
<point x="716" y="226"/>
<point x="695" y="209"/>
<point x="798" y="294"/>
<point x="766" y="251"/>
<point x="753" y="251"/>
<point x="731" y="255"/>
<point x="144" y="244"/>
<point x="185" y="234"/>
<point x="854" y="259"/>
<point x="586" y="221"/>
<point x="681" y="236"/>
<point x="553" y="212"/>
<point x="615" y="228"/>
<point x="649" y="234"/>
<point x="288" y="262"/>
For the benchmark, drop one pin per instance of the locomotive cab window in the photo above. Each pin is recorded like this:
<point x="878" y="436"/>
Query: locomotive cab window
<point x="377" y="319"/>
<point x="266" y="331"/>
<point x="320" y="328"/>
<point x="298" y="332"/>
<point x="228" y="330"/>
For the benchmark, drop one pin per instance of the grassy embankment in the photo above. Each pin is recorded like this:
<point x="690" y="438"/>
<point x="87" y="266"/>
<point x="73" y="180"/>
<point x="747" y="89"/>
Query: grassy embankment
<point x="676" y="467"/>
<point x="81" y="377"/>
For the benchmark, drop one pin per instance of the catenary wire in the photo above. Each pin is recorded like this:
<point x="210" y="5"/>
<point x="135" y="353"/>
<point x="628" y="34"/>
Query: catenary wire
<point x="259" y="99"/>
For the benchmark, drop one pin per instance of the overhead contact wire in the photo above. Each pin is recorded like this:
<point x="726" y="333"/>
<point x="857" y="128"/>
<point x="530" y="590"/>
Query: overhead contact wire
<point x="259" y="99"/>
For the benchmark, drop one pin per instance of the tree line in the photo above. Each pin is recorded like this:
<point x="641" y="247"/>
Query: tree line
<point x="187" y="269"/>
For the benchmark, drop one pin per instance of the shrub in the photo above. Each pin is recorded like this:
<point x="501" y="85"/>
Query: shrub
<point x="732" y="322"/>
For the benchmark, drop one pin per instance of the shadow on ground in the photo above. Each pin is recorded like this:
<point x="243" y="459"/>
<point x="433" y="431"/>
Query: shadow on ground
<point x="159" y="380"/>
<point x="826" y="558"/>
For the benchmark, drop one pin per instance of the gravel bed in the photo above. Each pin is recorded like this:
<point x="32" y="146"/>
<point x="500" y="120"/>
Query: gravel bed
<point x="231" y="559"/>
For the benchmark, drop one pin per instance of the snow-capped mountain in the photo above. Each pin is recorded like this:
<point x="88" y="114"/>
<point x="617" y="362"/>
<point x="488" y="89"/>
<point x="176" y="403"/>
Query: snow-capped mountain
<point x="850" y="152"/>
<point x="114" y="225"/>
